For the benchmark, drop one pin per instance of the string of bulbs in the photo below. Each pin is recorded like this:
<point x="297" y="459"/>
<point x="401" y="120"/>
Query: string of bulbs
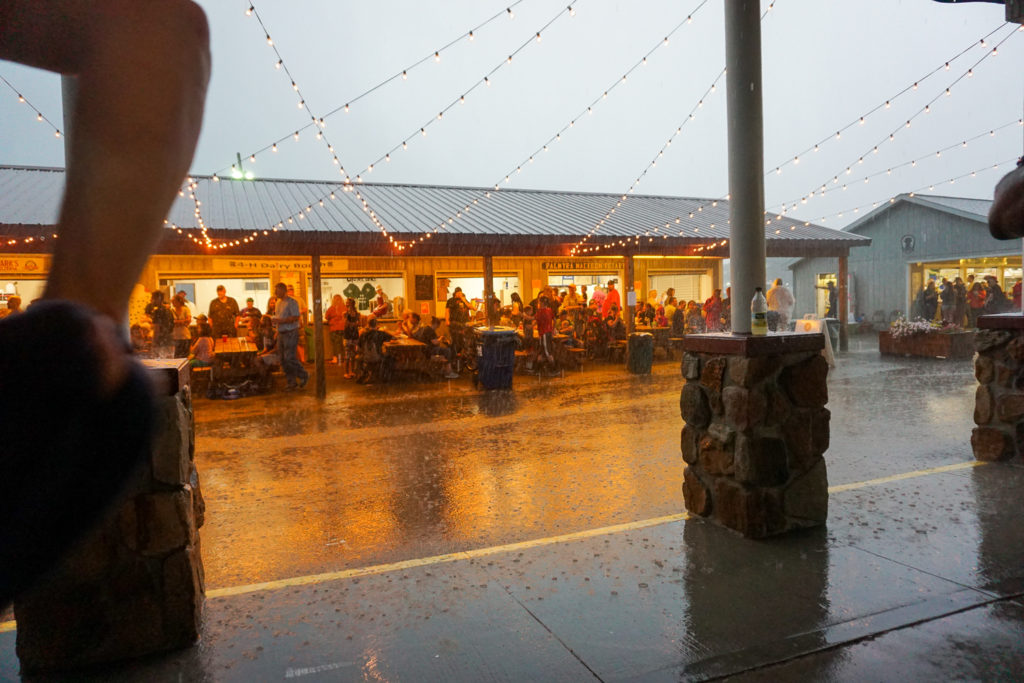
<point x="450" y="220"/>
<point x="962" y="144"/>
<point x="690" y="117"/>
<point x="881" y="106"/>
<point x="557" y="137"/>
<point x="348" y="185"/>
<point x="399" y="75"/>
<point x="945" y="66"/>
<point x="39" y="115"/>
<point x="930" y="188"/>
<point x="926" y="109"/>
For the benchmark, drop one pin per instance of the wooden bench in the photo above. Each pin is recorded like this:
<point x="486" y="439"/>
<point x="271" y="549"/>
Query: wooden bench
<point x="520" y="361"/>
<point x="578" y="355"/>
<point x="617" y="349"/>
<point x="676" y="343"/>
<point x="199" y="379"/>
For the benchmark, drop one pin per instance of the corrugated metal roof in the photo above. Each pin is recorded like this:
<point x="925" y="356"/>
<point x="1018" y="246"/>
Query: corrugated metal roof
<point x="31" y="196"/>
<point x="964" y="205"/>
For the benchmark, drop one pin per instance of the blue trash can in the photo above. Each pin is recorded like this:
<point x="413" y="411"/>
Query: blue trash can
<point x="497" y="358"/>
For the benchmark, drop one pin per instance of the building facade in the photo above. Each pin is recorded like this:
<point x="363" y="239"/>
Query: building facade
<point x="914" y="239"/>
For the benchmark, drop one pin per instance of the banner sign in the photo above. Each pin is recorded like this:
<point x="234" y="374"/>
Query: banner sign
<point x="257" y="264"/>
<point x="596" y="264"/>
<point x="23" y="265"/>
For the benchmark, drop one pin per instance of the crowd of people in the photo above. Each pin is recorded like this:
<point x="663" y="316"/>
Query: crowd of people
<point x="956" y="302"/>
<point x="581" y="319"/>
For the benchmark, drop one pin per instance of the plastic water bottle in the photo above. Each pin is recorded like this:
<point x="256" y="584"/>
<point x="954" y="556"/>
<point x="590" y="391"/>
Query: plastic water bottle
<point x="759" y="314"/>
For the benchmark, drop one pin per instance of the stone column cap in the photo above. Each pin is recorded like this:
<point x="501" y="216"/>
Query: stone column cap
<point x="750" y="346"/>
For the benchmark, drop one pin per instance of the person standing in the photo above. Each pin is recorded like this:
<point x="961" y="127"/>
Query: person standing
<point x="456" y="314"/>
<point x="713" y="311"/>
<point x="335" y="316"/>
<point x="780" y="300"/>
<point x="611" y="299"/>
<point x="545" y="332"/>
<point x="947" y="297"/>
<point x="182" y="321"/>
<point x="288" y="319"/>
<point x="249" y="311"/>
<point x="162" y="319"/>
<point x="351" y="336"/>
<point x="975" y="303"/>
<point x="223" y="312"/>
<point x="959" y="301"/>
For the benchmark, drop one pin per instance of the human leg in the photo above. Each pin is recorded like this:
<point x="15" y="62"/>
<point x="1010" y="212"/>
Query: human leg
<point x="288" y="341"/>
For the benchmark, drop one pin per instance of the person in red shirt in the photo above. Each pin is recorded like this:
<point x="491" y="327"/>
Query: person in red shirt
<point x="545" y="321"/>
<point x="611" y="299"/>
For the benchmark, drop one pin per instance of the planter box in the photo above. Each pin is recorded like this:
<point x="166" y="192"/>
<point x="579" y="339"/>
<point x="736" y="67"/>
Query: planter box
<point x="950" y="345"/>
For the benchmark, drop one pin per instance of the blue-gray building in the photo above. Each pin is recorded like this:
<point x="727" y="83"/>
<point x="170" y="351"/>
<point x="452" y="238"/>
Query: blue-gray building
<point x="914" y="238"/>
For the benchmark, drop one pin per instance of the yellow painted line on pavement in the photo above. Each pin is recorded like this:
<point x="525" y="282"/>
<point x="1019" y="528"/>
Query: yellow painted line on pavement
<point x="440" y="559"/>
<point x="906" y="475"/>
<point x="8" y="626"/>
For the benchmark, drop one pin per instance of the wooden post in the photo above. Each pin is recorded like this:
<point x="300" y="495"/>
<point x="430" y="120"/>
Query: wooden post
<point x="318" y="328"/>
<point x="488" y="287"/>
<point x="628" y="310"/>
<point x="844" y="303"/>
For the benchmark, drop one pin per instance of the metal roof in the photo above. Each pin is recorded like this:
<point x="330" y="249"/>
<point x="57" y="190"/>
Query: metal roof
<point x="31" y="196"/>
<point x="965" y="207"/>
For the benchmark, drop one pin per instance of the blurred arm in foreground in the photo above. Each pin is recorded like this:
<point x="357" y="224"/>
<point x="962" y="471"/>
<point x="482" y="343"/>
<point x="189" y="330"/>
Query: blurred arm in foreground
<point x="1006" y="217"/>
<point x="78" y="410"/>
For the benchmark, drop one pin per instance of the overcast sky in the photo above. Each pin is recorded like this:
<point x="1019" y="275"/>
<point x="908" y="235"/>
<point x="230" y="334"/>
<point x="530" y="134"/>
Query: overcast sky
<point x="826" y="63"/>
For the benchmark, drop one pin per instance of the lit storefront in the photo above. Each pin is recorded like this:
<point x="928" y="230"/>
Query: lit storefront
<point x="437" y="238"/>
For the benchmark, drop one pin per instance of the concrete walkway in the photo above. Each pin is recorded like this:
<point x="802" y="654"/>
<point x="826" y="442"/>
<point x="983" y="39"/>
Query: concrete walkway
<point x="431" y="533"/>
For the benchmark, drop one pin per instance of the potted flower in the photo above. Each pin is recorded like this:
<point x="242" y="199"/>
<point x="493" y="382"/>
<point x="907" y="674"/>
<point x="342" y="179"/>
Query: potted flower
<point x="925" y="338"/>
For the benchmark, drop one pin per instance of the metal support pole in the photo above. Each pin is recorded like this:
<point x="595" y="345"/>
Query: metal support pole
<point x="629" y="310"/>
<point x="488" y="288"/>
<point x="68" y="94"/>
<point x="746" y="156"/>
<point x="318" y="328"/>
<point x="844" y="303"/>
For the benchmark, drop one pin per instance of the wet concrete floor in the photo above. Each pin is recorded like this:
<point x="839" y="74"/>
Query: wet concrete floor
<point x="426" y="532"/>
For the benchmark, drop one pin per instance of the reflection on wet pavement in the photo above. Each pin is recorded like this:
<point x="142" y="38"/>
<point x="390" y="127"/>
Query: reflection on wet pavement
<point x="385" y="473"/>
<point x="914" y="577"/>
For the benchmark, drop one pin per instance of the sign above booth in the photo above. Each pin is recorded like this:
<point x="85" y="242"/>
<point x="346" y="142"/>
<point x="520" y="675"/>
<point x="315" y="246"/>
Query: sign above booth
<point x="249" y="265"/>
<point x="584" y="264"/>
<point x="21" y="265"/>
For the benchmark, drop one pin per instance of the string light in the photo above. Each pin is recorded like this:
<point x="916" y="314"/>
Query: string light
<point x="861" y="120"/>
<point x="402" y="74"/>
<point x="925" y="109"/>
<point x="39" y="114"/>
<point x="912" y="193"/>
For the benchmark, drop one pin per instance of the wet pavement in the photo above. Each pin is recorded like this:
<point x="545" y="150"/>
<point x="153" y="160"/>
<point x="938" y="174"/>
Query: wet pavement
<point x="424" y="532"/>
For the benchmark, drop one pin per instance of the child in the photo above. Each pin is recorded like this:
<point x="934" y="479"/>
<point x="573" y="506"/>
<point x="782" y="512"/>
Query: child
<point x="351" y="337"/>
<point x="528" y="320"/>
<point x="201" y="352"/>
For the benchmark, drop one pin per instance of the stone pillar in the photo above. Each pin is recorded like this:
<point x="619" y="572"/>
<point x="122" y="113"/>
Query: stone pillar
<point x="135" y="585"/>
<point x="756" y="431"/>
<point x="999" y="400"/>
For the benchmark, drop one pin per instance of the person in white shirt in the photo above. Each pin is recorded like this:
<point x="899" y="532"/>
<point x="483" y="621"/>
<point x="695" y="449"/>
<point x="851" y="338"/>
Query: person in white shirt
<point x="780" y="300"/>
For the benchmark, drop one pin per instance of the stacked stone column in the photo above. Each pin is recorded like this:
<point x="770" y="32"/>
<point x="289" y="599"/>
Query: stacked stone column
<point x="756" y="431"/>
<point x="999" y="400"/>
<point x="135" y="586"/>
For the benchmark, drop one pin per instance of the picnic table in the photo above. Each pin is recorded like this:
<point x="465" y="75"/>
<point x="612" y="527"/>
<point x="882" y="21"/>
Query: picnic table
<point x="408" y="354"/>
<point x="234" y="361"/>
